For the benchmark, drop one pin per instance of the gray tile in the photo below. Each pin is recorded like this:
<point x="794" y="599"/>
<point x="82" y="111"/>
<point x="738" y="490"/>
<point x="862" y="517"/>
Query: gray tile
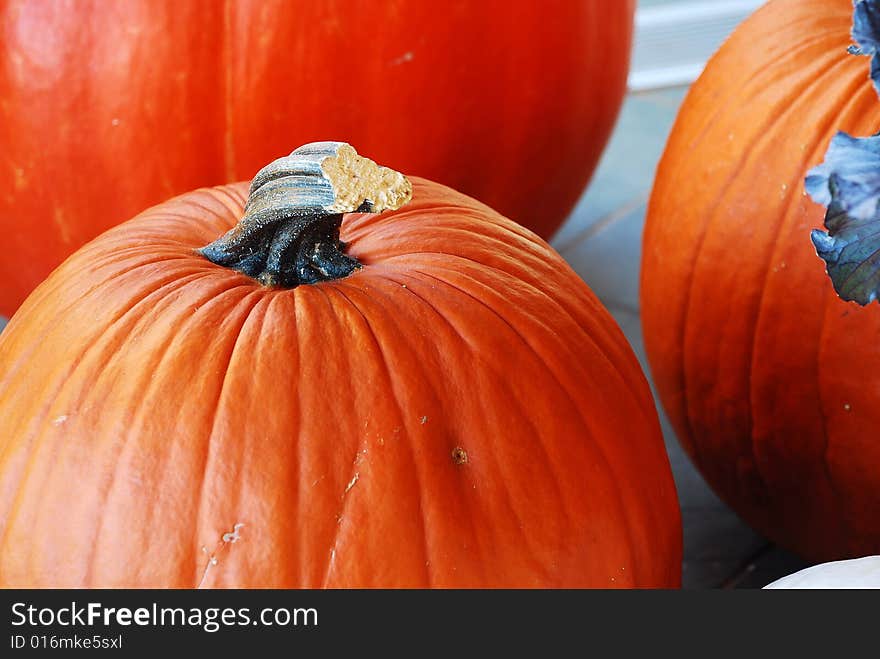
<point x="768" y="566"/>
<point x="716" y="546"/>
<point x="629" y="321"/>
<point x="609" y="259"/>
<point x="626" y="171"/>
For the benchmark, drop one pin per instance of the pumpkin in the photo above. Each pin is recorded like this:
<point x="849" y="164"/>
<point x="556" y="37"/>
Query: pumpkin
<point x="109" y="107"/>
<point x="852" y="573"/>
<point x="770" y="379"/>
<point x="423" y="397"/>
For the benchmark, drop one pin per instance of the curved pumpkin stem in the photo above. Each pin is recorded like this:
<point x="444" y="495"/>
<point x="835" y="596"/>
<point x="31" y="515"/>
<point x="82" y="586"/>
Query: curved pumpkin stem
<point x="289" y="234"/>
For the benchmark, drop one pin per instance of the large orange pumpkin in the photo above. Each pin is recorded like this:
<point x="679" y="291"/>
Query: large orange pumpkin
<point x="771" y="380"/>
<point x="107" y="107"/>
<point x="459" y="411"/>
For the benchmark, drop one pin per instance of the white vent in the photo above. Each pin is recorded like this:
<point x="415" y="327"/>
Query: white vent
<point x="674" y="41"/>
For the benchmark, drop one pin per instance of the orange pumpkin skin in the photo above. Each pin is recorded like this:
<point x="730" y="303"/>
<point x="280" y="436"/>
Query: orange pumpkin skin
<point x="460" y="412"/>
<point x="476" y="95"/>
<point x="770" y="379"/>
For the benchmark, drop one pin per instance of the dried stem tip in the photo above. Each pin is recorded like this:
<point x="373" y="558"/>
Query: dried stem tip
<point x="289" y="234"/>
<point x="331" y="177"/>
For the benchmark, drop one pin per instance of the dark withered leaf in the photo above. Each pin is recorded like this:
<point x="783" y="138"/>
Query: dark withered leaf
<point x="848" y="183"/>
<point x="866" y="33"/>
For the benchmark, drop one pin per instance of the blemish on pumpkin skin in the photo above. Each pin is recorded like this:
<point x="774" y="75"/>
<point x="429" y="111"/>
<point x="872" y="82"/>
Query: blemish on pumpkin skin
<point x="352" y="482"/>
<point x="226" y="540"/>
<point x="408" y="56"/>
<point x="211" y="559"/>
<point x="423" y="420"/>
<point x="331" y="563"/>
<point x="459" y="456"/>
<point x="20" y="179"/>
<point x="234" y="535"/>
<point x="63" y="226"/>
<point x="59" y="420"/>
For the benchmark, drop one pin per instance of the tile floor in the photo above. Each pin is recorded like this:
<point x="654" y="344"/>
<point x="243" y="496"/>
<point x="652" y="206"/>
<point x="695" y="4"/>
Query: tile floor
<point x="602" y="241"/>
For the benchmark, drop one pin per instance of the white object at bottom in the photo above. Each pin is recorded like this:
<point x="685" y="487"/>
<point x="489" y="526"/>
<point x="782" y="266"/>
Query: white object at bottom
<point x="854" y="573"/>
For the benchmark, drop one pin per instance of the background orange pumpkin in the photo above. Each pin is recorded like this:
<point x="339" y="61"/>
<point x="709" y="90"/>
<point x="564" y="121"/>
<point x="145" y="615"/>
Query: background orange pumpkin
<point x="770" y="380"/>
<point x="461" y="411"/>
<point x="109" y="107"/>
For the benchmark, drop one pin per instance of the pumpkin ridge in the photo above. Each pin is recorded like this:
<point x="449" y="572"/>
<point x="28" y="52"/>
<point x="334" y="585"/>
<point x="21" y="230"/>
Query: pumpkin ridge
<point x="225" y="202"/>
<point x="500" y="222"/>
<point x="747" y="154"/>
<point x="419" y="489"/>
<point x="52" y="287"/>
<point x="414" y="279"/>
<point x="173" y="334"/>
<point x="402" y="418"/>
<point x="9" y="376"/>
<point x="39" y="436"/>
<point x="318" y="577"/>
<point x="464" y="342"/>
<point x="736" y="95"/>
<point x="305" y="578"/>
<point x="822" y="407"/>
<point x="788" y="216"/>
<point x="188" y="203"/>
<point x="490" y="453"/>
<point x="354" y="475"/>
<point x="493" y="452"/>
<point x="136" y="405"/>
<point x="232" y="192"/>
<point x="588" y="429"/>
<point x="407" y="258"/>
<point x="253" y="299"/>
<point x="564" y="309"/>
<point x="72" y="366"/>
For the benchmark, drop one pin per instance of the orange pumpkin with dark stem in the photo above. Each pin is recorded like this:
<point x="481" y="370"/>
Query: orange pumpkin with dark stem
<point x="123" y="104"/>
<point x="770" y="379"/>
<point x="457" y="409"/>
